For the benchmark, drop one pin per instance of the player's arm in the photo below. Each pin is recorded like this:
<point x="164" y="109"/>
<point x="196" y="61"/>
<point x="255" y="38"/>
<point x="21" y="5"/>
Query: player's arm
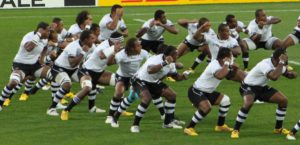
<point x="114" y="23"/>
<point x="43" y="55"/>
<point x="198" y="35"/>
<point x="273" y="20"/>
<point x="152" y="69"/>
<point x="184" y="22"/>
<point x="111" y="59"/>
<point x="290" y="74"/>
<point x="124" y="32"/>
<point x="75" y="60"/>
<point x="30" y="45"/>
<point x="172" y="29"/>
<point x="222" y="73"/>
<point x="141" y="32"/>
<point x="275" y="74"/>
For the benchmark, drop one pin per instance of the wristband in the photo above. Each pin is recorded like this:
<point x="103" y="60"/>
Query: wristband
<point x="244" y="30"/>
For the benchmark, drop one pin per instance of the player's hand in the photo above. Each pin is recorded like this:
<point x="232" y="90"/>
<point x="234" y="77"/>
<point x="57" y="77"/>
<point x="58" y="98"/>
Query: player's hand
<point x="169" y="59"/>
<point x="283" y="57"/>
<point x="158" y="23"/>
<point x="119" y="12"/>
<point x="227" y="61"/>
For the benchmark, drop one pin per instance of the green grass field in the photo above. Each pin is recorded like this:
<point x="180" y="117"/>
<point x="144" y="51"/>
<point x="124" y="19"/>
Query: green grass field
<point x="26" y="123"/>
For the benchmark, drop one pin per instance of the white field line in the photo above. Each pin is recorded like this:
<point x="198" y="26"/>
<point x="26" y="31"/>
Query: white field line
<point x="294" y="62"/>
<point x="169" y="13"/>
<point x="139" y="20"/>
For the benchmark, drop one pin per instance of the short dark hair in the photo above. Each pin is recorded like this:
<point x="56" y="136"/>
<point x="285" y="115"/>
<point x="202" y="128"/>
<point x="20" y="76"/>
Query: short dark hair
<point x="169" y="50"/>
<point x="130" y="45"/>
<point x="42" y="25"/>
<point x="56" y="20"/>
<point x="114" y="8"/>
<point x="257" y="12"/>
<point x="81" y="17"/>
<point x="229" y="18"/>
<point x="85" y="35"/>
<point x="158" y="14"/>
<point x="94" y="26"/>
<point x="116" y="35"/>
<point x="222" y="27"/>
<point x="161" y="48"/>
<point x="201" y="21"/>
<point x="276" y="54"/>
<point x="51" y="35"/>
<point x="223" y="52"/>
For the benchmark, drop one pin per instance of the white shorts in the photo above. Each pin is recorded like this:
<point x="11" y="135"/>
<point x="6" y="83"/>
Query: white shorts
<point x="266" y="45"/>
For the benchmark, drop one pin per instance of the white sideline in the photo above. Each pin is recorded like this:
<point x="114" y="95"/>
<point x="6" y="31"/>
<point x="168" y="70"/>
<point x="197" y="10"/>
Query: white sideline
<point x="169" y="13"/>
<point x="294" y="62"/>
<point x="139" y="20"/>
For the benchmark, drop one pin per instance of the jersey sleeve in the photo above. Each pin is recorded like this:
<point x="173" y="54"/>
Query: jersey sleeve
<point x="26" y="38"/>
<point x="118" y="57"/>
<point x="72" y="52"/>
<point x="147" y="24"/>
<point x="122" y="25"/>
<point x="252" y="28"/>
<point x="104" y="21"/>
<point x="169" y="23"/>
<point x="214" y="67"/>
<point x="265" y="68"/>
<point x="173" y="68"/>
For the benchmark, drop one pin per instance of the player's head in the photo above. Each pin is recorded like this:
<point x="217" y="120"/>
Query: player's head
<point x="159" y="15"/>
<point x="53" y="36"/>
<point x="223" y="53"/>
<point x="202" y="21"/>
<point x="170" y="51"/>
<point x="84" y="18"/>
<point x="223" y="31"/>
<point x="231" y="21"/>
<point x="116" y="37"/>
<point x="114" y="8"/>
<point x="161" y="48"/>
<point x="95" y="29"/>
<point x="57" y="24"/>
<point x="276" y="54"/>
<point x="260" y="15"/>
<point x="45" y="27"/>
<point x="133" y="47"/>
<point x="86" y="38"/>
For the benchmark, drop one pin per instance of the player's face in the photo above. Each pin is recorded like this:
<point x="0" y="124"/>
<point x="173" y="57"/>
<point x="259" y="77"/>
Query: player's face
<point x="174" y="55"/>
<point x="54" y="37"/>
<point x="96" y="32"/>
<point x="233" y="23"/>
<point x="60" y="27"/>
<point x="207" y="27"/>
<point x="89" y="20"/>
<point x="261" y="16"/>
<point x="46" y="32"/>
<point x="163" y="19"/>
<point x="137" y="47"/>
<point x="89" y="41"/>
<point x="224" y="34"/>
<point x="298" y="23"/>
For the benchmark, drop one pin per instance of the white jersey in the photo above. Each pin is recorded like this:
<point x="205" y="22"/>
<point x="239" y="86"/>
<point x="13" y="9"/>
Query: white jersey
<point x="75" y="29"/>
<point x="143" y="74"/>
<point x="233" y="33"/>
<point x="214" y="44"/>
<point x="105" y="32"/>
<point x="266" y="31"/>
<point x="258" y="75"/>
<point x="192" y="29"/>
<point x="94" y="62"/>
<point x="62" y="35"/>
<point x="155" y="32"/>
<point x="26" y="57"/>
<point x="207" y="82"/>
<point x="72" y="50"/>
<point x="129" y="65"/>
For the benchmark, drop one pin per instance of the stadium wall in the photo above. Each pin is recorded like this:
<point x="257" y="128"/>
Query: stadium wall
<point x="12" y="4"/>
